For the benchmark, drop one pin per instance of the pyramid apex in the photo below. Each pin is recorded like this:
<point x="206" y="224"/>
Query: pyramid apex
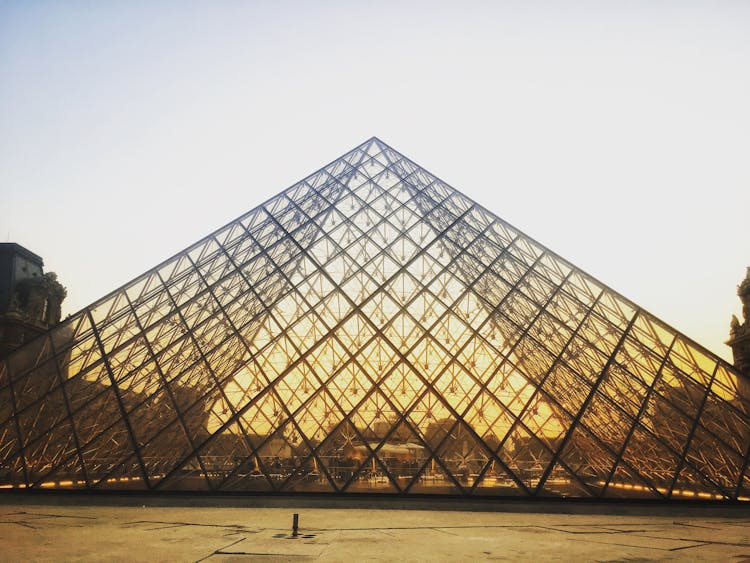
<point x="376" y="139"/>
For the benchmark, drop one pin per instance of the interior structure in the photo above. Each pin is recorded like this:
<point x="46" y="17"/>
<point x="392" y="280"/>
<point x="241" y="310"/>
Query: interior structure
<point x="372" y="330"/>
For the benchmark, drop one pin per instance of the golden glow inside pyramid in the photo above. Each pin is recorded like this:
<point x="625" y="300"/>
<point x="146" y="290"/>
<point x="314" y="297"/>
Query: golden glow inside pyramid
<point x="371" y="329"/>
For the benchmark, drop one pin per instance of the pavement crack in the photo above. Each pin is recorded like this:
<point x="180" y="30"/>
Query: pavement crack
<point x="445" y="531"/>
<point x="265" y="554"/>
<point x="691" y="540"/>
<point x="631" y="546"/>
<point x="167" y="524"/>
<point x="45" y="515"/>
<point x="694" y="525"/>
<point x="22" y="523"/>
<point x="167" y="527"/>
<point x="580" y="532"/>
<point x="219" y="550"/>
<point x="697" y="544"/>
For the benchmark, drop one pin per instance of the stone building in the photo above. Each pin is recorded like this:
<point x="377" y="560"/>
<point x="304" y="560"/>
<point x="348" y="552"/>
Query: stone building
<point x="739" y="333"/>
<point x="30" y="300"/>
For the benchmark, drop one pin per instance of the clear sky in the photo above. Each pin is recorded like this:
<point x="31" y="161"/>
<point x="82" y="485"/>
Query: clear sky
<point x="616" y="133"/>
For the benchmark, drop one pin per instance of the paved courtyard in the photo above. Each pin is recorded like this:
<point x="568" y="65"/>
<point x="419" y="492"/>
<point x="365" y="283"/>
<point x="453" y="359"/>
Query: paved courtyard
<point x="60" y="531"/>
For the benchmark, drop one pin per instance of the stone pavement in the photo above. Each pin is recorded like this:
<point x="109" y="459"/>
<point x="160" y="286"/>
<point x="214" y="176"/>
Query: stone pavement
<point x="91" y="532"/>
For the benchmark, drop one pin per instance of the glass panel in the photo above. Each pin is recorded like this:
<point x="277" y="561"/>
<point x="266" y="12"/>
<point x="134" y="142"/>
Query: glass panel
<point x="714" y="460"/>
<point x="563" y="483"/>
<point x="49" y="450"/>
<point x="690" y="485"/>
<point x="651" y="458"/>
<point x="373" y="477"/>
<point x="125" y="476"/>
<point x="68" y="475"/>
<point x="589" y="459"/>
<point x="231" y="464"/>
<point x="164" y="453"/>
<point x="9" y="446"/>
<point x="626" y="484"/>
<point x="526" y="456"/>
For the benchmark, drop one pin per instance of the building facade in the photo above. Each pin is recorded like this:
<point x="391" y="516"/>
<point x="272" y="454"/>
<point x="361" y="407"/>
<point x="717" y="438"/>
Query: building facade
<point x="739" y="332"/>
<point x="30" y="300"/>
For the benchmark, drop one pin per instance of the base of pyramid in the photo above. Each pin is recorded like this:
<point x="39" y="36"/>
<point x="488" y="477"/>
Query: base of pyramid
<point x="375" y="501"/>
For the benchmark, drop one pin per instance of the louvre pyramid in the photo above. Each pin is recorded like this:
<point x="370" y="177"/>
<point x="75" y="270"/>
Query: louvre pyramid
<point x="371" y="329"/>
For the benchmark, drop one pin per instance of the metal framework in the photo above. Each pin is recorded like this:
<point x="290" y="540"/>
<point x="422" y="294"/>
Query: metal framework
<point x="371" y="329"/>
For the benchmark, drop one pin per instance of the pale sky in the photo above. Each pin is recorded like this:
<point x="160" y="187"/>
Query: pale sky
<point x="615" y="133"/>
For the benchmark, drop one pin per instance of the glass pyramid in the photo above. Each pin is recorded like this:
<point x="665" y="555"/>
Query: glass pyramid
<point x="372" y="330"/>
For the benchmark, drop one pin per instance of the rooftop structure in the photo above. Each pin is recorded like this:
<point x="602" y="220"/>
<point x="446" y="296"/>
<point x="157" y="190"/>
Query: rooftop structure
<point x="371" y="329"/>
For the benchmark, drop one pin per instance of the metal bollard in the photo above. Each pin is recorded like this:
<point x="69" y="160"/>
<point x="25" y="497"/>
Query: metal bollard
<point x="295" y="525"/>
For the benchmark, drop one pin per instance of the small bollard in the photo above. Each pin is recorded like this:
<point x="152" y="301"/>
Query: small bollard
<point x="295" y="525"/>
